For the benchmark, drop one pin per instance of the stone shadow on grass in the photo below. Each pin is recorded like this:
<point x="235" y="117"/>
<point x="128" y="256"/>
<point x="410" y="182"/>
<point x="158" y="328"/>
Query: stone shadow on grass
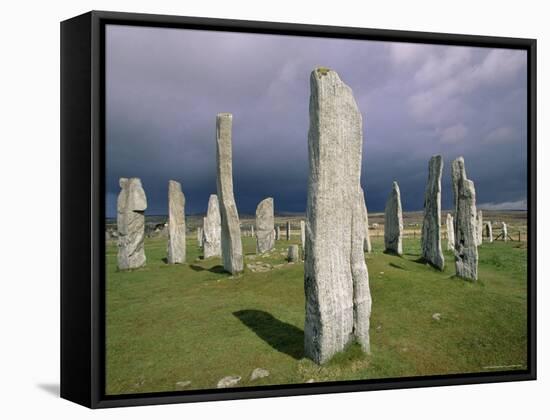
<point x="218" y="269"/>
<point x="283" y="337"/>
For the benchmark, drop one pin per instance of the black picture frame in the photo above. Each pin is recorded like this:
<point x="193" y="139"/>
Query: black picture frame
<point x="83" y="207"/>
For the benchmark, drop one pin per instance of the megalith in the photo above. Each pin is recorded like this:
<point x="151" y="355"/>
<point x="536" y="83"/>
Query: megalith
<point x="176" y="223"/>
<point x="504" y="232"/>
<point x="232" y="249"/>
<point x="131" y="206"/>
<point x="466" y="257"/>
<point x="212" y="229"/>
<point x="489" y="231"/>
<point x="200" y="234"/>
<point x="338" y="300"/>
<point x="288" y="231"/>
<point x="431" y="226"/>
<point x="265" y="231"/>
<point x="450" y="233"/>
<point x="277" y="233"/>
<point x="367" y="247"/>
<point x="393" y="222"/>
<point x="293" y="253"/>
<point x="479" y="228"/>
<point x="303" y="233"/>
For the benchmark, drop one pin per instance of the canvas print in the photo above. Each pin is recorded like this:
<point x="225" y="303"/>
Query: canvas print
<point x="285" y="210"/>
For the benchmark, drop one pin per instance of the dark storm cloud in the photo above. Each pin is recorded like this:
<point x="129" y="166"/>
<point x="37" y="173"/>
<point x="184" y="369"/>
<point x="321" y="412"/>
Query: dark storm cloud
<point x="165" y="87"/>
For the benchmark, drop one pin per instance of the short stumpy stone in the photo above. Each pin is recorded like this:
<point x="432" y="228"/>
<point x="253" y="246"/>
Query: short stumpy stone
<point x="431" y="226"/>
<point x="393" y="222"/>
<point x="232" y="248"/>
<point x="450" y="233"/>
<point x="212" y="229"/>
<point x="176" y="223"/>
<point x="293" y="253"/>
<point x="367" y="247"/>
<point x="338" y="301"/>
<point x="265" y="231"/>
<point x="466" y="257"/>
<point x="489" y="231"/>
<point x="479" y="228"/>
<point x="131" y="205"/>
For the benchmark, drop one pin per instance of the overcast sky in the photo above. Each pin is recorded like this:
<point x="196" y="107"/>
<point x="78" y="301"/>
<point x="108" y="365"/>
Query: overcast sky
<point x="164" y="88"/>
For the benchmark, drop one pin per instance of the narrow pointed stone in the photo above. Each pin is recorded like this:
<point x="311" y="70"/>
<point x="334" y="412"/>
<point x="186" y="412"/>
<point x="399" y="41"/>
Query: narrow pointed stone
<point x="393" y="222"/>
<point x="303" y="233"/>
<point x="212" y="232"/>
<point x="450" y="233"/>
<point x="199" y="234"/>
<point x="176" y="223"/>
<point x="504" y="232"/>
<point x="131" y="206"/>
<point x="265" y="231"/>
<point x="288" y="231"/>
<point x="338" y="300"/>
<point x="232" y="249"/>
<point x="489" y="231"/>
<point x="431" y="227"/>
<point x="466" y="257"/>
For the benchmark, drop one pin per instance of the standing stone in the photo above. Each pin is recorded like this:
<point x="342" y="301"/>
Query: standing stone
<point x="176" y="223"/>
<point x="212" y="232"/>
<point x="479" y="228"/>
<point x="466" y="257"/>
<point x="288" y="231"/>
<point x="338" y="301"/>
<point x="504" y="232"/>
<point x="303" y="233"/>
<point x="232" y="248"/>
<point x="277" y="233"/>
<point x="489" y="232"/>
<point x="293" y="253"/>
<point x="431" y="227"/>
<point x="367" y="247"/>
<point x="252" y="231"/>
<point x="200" y="234"/>
<point x="393" y="222"/>
<point x="131" y="205"/>
<point x="450" y="233"/>
<point x="265" y="232"/>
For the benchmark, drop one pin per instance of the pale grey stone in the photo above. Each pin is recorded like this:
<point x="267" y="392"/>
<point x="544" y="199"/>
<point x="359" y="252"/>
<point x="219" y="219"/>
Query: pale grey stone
<point x="232" y="249"/>
<point x="131" y="206"/>
<point x="393" y="222"/>
<point x="228" y="381"/>
<point x="183" y="384"/>
<point x="259" y="373"/>
<point x="212" y="232"/>
<point x="176" y="224"/>
<point x="338" y="301"/>
<point x="265" y="231"/>
<point x="252" y="231"/>
<point x="450" y="233"/>
<point x="431" y="226"/>
<point x="288" y="231"/>
<point x="375" y="226"/>
<point x="277" y="233"/>
<point x="367" y="247"/>
<point x="303" y="233"/>
<point x="479" y="228"/>
<point x="293" y="253"/>
<point x="504" y="232"/>
<point x="466" y="257"/>
<point x="489" y="231"/>
<point x="200" y="234"/>
<point x="436" y="316"/>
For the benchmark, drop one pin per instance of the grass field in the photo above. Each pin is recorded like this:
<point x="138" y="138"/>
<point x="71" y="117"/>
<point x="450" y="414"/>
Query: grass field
<point x="173" y="323"/>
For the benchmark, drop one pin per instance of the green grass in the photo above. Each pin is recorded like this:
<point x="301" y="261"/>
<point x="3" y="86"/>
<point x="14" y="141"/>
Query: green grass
<point x="192" y="322"/>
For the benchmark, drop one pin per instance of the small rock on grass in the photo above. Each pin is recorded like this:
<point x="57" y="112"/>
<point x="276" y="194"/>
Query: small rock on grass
<point x="437" y="316"/>
<point x="310" y="381"/>
<point x="259" y="373"/>
<point x="228" y="381"/>
<point x="183" y="384"/>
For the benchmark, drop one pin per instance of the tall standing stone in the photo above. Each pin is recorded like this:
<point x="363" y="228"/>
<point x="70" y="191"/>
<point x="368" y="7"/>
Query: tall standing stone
<point x="479" y="228"/>
<point x="212" y="229"/>
<point x="288" y="231"/>
<point x="338" y="300"/>
<point x="489" y="232"/>
<point x="303" y="233"/>
<point x="232" y="248"/>
<point x="504" y="232"/>
<point x="252" y="231"/>
<point x="200" y="234"/>
<point x="367" y="247"/>
<point x="450" y="233"/>
<point x="431" y="227"/>
<point x="466" y="257"/>
<point x="277" y="233"/>
<point x="176" y="223"/>
<point x="265" y="231"/>
<point x="393" y="222"/>
<point x="131" y="205"/>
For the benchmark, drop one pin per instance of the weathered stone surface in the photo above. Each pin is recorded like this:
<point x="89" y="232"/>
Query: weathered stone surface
<point x="450" y="233"/>
<point x="367" y="247"/>
<point x="431" y="226"/>
<point x="288" y="231"/>
<point x="232" y="248"/>
<point x="338" y="300"/>
<point x="479" y="228"/>
<point x="489" y="231"/>
<point x="252" y="231"/>
<point x="265" y="231"/>
<point x="466" y="257"/>
<point x="393" y="222"/>
<point x="176" y="223"/>
<point x="228" y="381"/>
<point x="259" y="373"/>
<point x="303" y="233"/>
<point x="200" y="234"/>
<point x="131" y="205"/>
<point x="212" y="232"/>
<point x="293" y="253"/>
<point x="277" y="233"/>
<point x="504" y="232"/>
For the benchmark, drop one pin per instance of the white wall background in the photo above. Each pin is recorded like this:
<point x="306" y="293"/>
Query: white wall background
<point x="29" y="211"/>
